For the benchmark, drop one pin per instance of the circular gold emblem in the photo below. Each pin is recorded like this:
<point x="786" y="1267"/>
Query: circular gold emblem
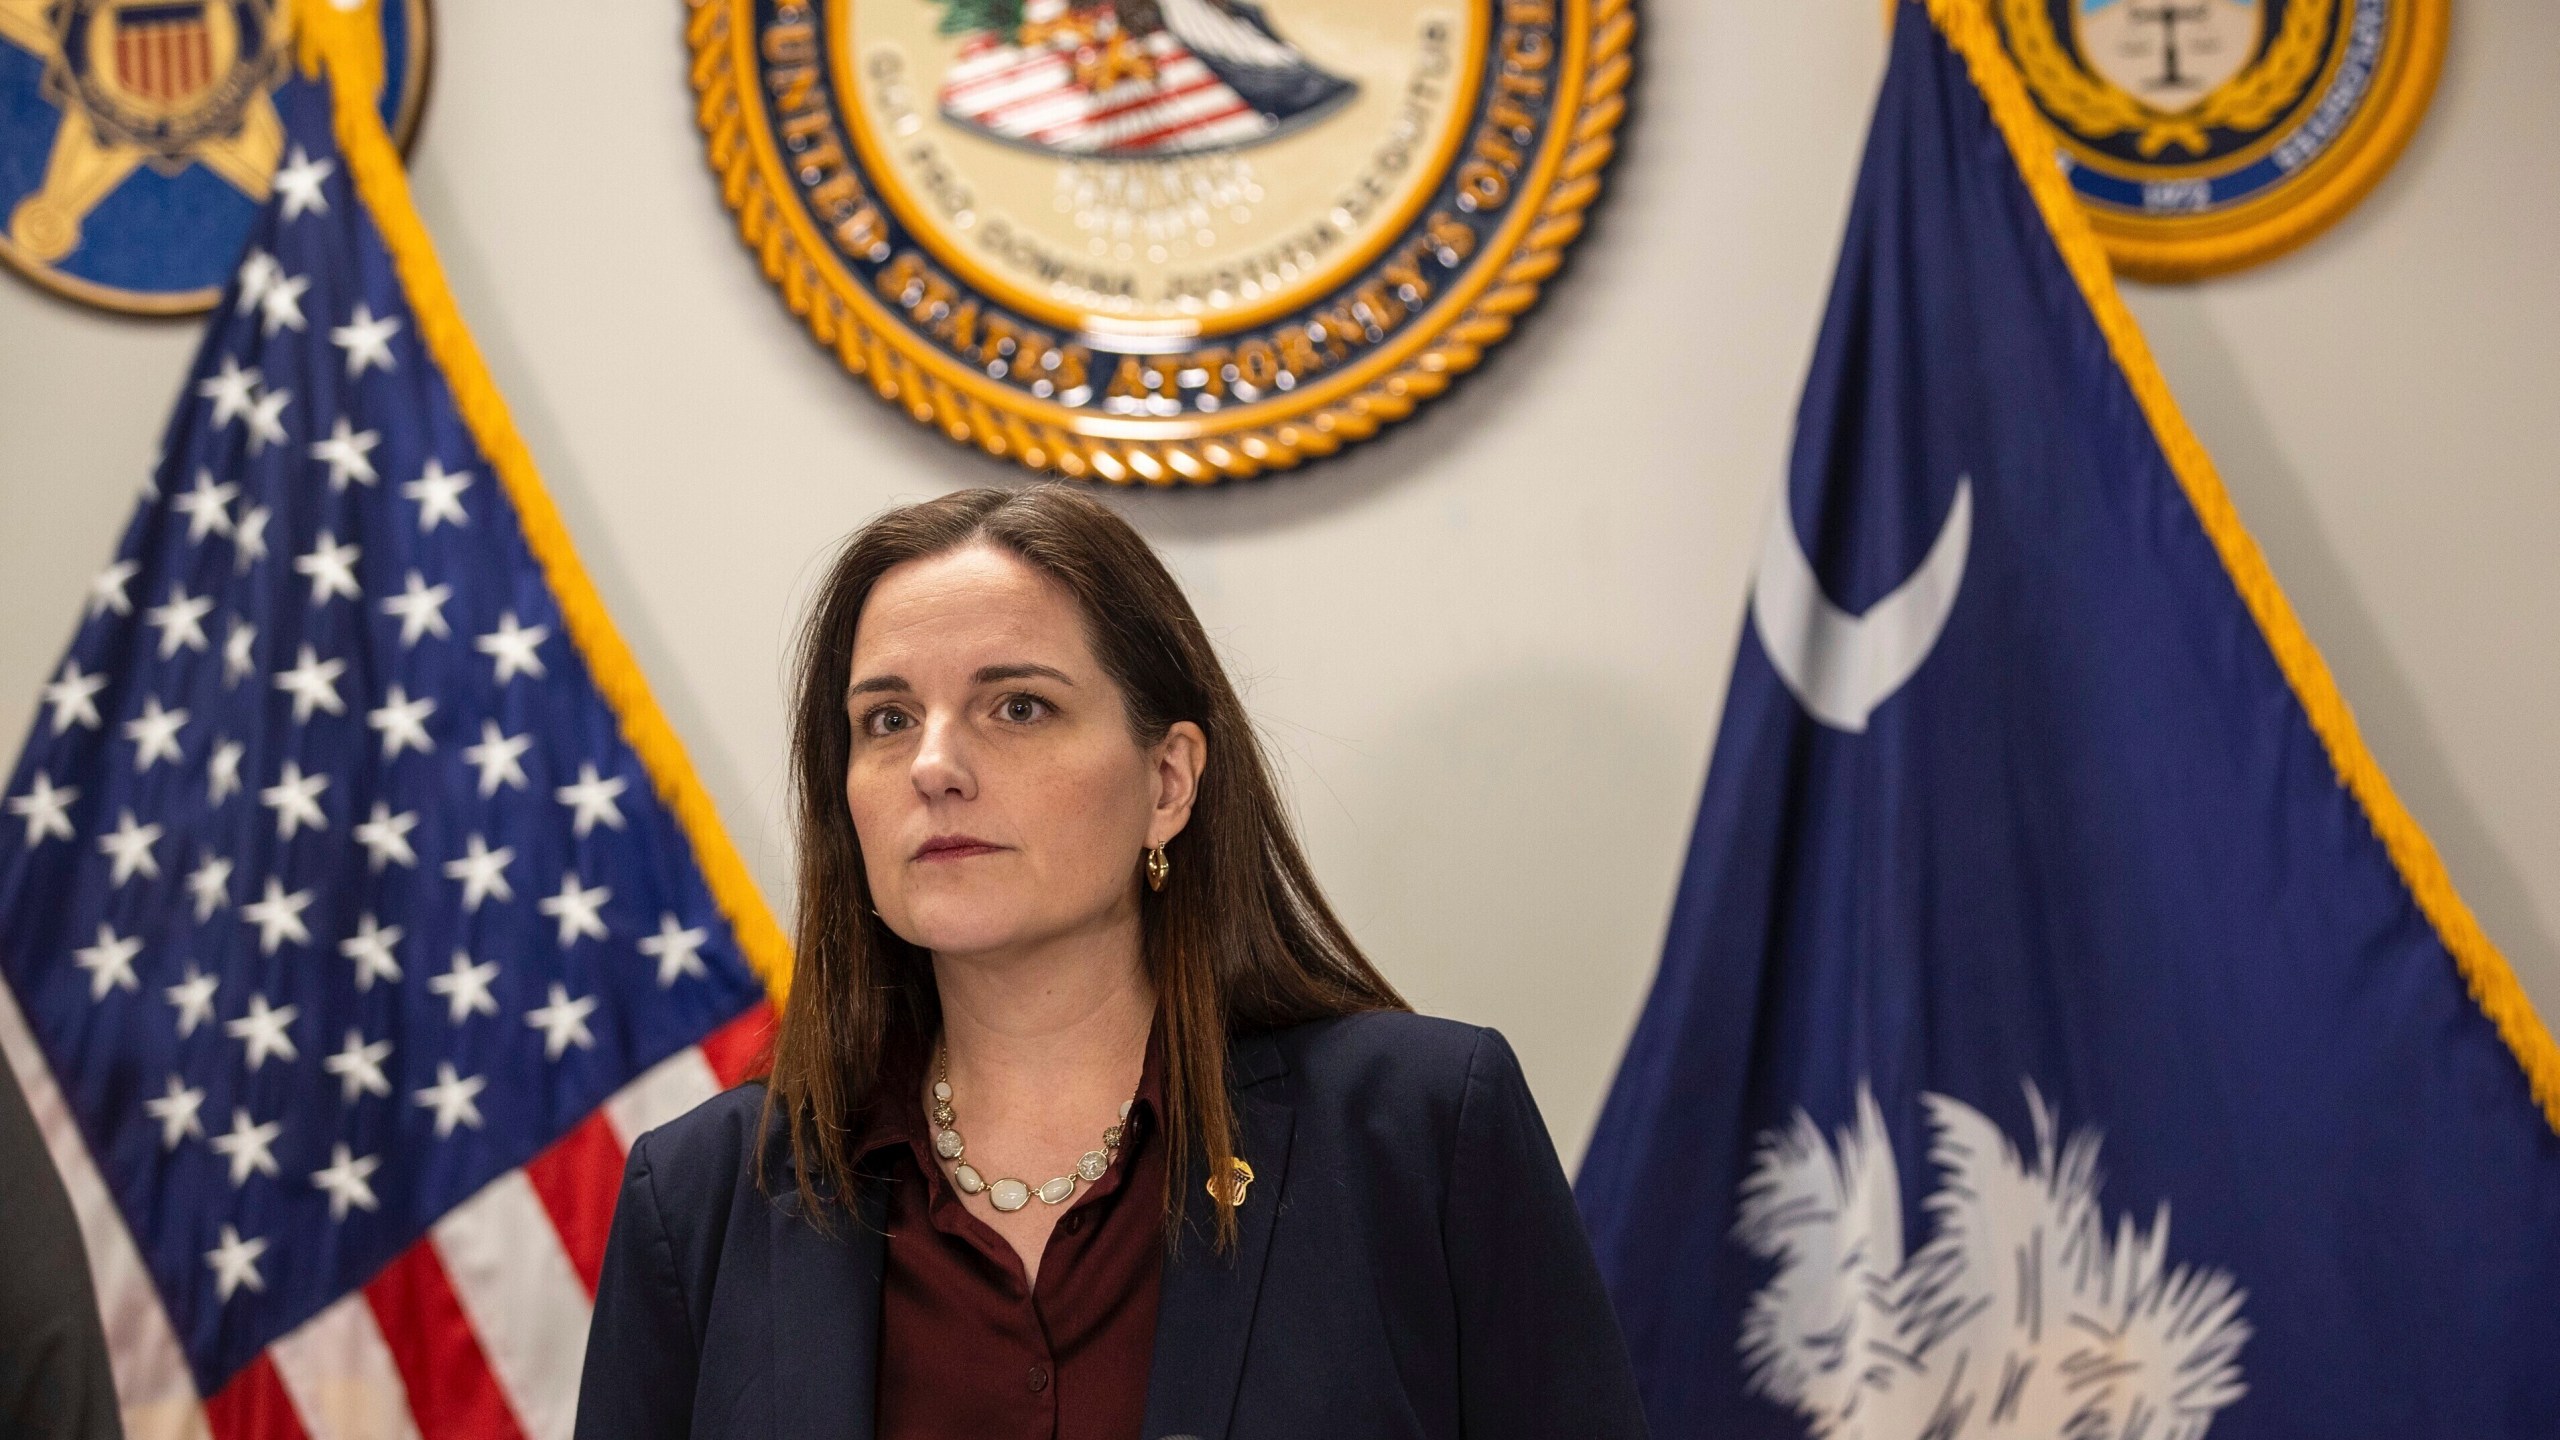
<point x="2206" y="135"/>
<point x="139" y="137"/>
<point x="1159" y="240"/>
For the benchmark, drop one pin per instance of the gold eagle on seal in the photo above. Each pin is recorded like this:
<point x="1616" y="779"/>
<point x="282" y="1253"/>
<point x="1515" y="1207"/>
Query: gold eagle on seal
<point x="2134" y="70"/>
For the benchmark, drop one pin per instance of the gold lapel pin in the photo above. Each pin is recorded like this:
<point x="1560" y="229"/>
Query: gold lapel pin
<point x="1232" y="1195"/>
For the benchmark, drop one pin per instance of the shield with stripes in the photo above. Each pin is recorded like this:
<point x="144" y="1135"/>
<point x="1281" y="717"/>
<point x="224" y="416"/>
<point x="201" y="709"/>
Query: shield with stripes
<point x="164" y="53"/>
<point x="1135" y="78"/>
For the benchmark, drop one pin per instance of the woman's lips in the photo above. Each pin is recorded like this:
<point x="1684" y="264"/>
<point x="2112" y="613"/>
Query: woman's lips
<point x="955" y="847"/>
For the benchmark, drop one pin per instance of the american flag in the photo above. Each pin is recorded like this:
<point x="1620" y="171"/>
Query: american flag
<point x="349" y="935"/>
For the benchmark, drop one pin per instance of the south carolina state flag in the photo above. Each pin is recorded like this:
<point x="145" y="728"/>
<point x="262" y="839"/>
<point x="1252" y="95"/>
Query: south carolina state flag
<point x="2063" y="1031"/>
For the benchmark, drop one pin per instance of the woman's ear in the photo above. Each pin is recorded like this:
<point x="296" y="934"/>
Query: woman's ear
<point x="1180" y="757"/>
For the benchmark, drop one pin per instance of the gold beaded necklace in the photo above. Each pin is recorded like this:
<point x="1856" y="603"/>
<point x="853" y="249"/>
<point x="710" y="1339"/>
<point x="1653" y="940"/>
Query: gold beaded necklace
<point x="1005" y="1192"/>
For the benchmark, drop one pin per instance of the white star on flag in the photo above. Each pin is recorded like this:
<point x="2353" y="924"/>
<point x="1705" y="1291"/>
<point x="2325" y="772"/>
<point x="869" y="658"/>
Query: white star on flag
<point x="465" y="987"/>
<point x="403" y="723"/>
<point x="249" y="542"/>
<point x="677" y="950"/>
<point x="235" y="1263"/>
<point x="258" y="272"/>
<point x="563" y="1022"/>
<point x="47" y="808"/>
<point x="129" y="846"/>
<point x="439" y="496"/>
<point x="209" y="884"/>
<point x="419" y="607"/>
<point x="266" y="419"/>
<point x="180" y="622"/>
<point x="297" y="184"/>
<point x="345" y="1180"/>
<point x="385" y="837"/>
<point x="179" y="1110"/>
<point x="74" y="698"/>
<point x="591" y="800"/>
<point x="239" y="652"/>
<point x="359" y="1068"/>
<point x="194" y="998"/>
<point x="511" y="647"/>
<point x="207" y="506"/>
<point x="370" y="948"/>
<point x="222" y="771"/>
<point x="366" y="340"/>
<point x="248" y="1146"/>
<point x="263" y="1030"/>
<point x="278" y="916"/>
<point x="348" y="454"/>
<point x="483" y="873"/>
<point x="109" y="963"/>
<point x="332" y="568"/>
<point x="313" y="684"/>
<point x="154" y="734"/>
<point x="295" y="797"/>
<point x="106" y="589"/>
<point x="497" y="756"/>
<point x="281" y="307"/>
<point x="231" y="392"/>
<point x="576" y="907"/>
<point x="452" y="1097"/>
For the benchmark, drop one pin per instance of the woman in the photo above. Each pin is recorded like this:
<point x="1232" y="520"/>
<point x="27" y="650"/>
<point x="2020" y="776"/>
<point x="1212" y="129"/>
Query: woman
<point x="1086" y="1117"/>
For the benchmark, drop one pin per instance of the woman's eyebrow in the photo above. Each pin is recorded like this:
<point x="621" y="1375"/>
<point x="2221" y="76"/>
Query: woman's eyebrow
<point x="1023" y="671"/>
<point x="877" y="684"/>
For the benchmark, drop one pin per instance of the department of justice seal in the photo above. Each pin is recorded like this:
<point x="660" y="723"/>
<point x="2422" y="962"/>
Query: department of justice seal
<point x="1159" y="240"/>
<point x="2206" y="135"/>
<point x="138" y="138"/>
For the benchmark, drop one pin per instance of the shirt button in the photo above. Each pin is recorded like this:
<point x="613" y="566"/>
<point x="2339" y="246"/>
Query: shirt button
<point x="1073" y="1223"/>
<point x="1038" y="1378"/>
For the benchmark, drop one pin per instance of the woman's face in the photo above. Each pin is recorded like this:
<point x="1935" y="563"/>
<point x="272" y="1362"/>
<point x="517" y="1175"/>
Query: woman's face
<point x="1001" y="798"/>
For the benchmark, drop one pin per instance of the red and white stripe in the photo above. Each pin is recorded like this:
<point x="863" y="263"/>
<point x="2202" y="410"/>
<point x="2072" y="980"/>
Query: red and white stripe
<point x="1032" y="95"/>
<point x="479" y="1330"/>
<point x="164" y="62"/>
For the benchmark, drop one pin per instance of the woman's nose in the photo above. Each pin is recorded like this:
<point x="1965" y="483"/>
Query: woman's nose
<point x="942" y="762"/>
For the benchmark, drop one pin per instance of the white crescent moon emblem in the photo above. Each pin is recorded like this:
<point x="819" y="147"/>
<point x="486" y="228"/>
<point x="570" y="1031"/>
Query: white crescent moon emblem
<point x="1842" y="666"/>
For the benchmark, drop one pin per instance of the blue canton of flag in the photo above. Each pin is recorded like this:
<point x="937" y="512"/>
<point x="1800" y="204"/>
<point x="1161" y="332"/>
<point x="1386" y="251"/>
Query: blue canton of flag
<point x="2062" y="1030"/>
<point x="347" y="938"/>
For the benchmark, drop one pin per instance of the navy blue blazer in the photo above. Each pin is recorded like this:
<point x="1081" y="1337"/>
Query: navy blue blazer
<point x="1410" y="1264"/>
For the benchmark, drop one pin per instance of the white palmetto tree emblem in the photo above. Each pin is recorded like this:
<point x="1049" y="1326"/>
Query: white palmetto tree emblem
<point x="2021" y="1317"/>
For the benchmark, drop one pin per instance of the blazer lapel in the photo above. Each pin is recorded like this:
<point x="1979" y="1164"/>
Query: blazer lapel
<point x="826" y="1320"/>
<point x="1206" y="1314"/>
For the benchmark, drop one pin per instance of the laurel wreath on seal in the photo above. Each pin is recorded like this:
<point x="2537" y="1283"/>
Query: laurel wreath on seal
<point x="756" y="198"/>
<point x="2095" y="109"/>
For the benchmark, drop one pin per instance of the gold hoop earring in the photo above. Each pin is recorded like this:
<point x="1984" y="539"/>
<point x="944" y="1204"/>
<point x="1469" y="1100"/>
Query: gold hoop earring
<point x="1158" y="867"/>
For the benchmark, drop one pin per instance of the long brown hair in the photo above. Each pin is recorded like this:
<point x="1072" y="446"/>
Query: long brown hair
<point x="1239" y="940"/>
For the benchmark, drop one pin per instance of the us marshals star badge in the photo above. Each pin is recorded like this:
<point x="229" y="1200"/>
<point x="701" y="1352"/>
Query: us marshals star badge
<point x="1159" y="240"/>
<point x="2205" y="135"/>
<point x="139" y="137"/>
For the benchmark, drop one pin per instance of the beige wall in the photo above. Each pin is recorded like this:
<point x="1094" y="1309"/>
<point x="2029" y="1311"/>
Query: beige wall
<point x="1491" y="647"/>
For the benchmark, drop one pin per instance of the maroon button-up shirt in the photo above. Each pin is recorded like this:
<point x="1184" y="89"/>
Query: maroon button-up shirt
<point x="966" y="1348"/>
